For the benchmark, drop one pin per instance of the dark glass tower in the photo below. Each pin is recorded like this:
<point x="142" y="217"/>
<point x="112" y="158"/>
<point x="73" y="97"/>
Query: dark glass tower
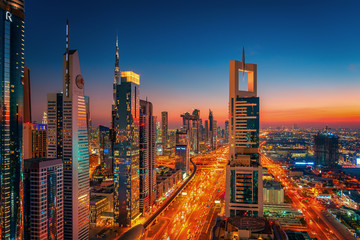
<point x="11" y="118"/>
<point x="147" y="156"/>
<point x="126" y="150"/>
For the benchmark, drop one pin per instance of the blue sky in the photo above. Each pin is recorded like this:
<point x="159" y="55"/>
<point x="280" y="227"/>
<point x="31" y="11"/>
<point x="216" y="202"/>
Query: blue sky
<point x="305" y="50"/>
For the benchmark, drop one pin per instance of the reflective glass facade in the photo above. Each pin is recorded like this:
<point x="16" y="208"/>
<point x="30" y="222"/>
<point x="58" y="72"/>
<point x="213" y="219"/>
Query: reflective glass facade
<point x="11" y="118"/>
<point x="126" y="150"/>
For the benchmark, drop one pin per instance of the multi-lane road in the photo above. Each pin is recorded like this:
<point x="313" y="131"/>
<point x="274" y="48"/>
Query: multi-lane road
<point x="190" y="215"/>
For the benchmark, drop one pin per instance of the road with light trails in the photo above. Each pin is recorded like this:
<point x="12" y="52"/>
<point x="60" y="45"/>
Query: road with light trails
<point x="188" y="214"/>
<point x="310" y="209"/>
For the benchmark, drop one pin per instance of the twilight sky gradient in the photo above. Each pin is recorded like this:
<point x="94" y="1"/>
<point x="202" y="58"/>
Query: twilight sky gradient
<point x="308" y="55"/>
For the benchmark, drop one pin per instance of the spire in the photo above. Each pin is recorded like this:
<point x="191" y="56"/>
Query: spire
<point x="117" y="68"/>
<point x="67" y="77"/>
<point x="243" y="63"/>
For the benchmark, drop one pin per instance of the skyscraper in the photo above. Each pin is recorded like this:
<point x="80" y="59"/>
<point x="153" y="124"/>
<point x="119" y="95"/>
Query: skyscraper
<point x="105" y="149"/>
<point x="206" y="131"/>
<point x="75" y="148"/>
<point x="43" y="194"/>
<point x="226" y="131"/>
<point x="147" y="156"/>
<point x="54" y="125"/>
<point x="164" y="130"/>
<point x="11" y="117"/>
<point x="243" y="195"/>
<point x="126" y="149"/>
<point x="326" y="149"/>
<point x="212" y="131"/>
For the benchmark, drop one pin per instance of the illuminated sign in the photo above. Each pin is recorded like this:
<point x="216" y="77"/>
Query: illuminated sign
<point x="184" y="193"/>
<point x="8" y="16"/>
<point x="304" y="163"/>
<point x="217" y="201"/>
<point x="358" y="161"/>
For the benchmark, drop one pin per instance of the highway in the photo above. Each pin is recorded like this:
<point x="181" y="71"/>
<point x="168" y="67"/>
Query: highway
<point x="190" y="215"/>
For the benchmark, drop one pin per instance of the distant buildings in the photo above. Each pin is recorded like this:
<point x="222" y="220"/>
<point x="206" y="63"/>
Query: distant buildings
<point x="244" y="190"/>
<point x="43" y="197"/>
<point x="126" y="149"/>
<point x="326" y="149"/>
<point x="11" y="115"/>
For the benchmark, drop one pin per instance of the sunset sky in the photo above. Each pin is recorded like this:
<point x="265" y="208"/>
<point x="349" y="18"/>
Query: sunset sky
<point x="307" y="52"/>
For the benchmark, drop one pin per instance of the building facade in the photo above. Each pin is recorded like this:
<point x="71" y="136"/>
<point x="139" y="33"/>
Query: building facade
<point x="11" y="117"/>
<point x="147" y="156"/>
<point x="244" y="190"/>
<point x="164" y="130"/>
<point x="326" y="149"/>
<point x="126" y="150"/>
<point x="75" y="148"/>
<point x="54" y="125"/>
<point x="43" y="197"/>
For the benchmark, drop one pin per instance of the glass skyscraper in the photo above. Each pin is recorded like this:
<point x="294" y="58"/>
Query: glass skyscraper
<point x="126" y="149"/>
<point x="244" y="190"/>
<point x="11" y="117"/>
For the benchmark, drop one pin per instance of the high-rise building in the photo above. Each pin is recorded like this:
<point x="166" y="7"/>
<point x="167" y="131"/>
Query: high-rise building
<point x="226" y="131"/>
<point x="126" y="150"/>
<point x="326" y="149"/>
<point x="105" y="149"/>
<point x="206" y="131"/>
<point x="55" y="125"/>
<point x="164" y="130"/>
<point x="43" y="199"/>
<point x="147" y="156"/>
<point x="244" y="184"/>
<point x="11" y="117"/>
<point x="214" y="133"/>
<point x="38" y="141"/>
<point x="211" y="129"/>
<point x="75" y="148"/>
<point x="27" y="96"/>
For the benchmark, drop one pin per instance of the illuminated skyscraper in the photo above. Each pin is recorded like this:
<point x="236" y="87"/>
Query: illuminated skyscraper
<point x="164" y="130"/>
<point x="206" y="131"/>
<point x="43" y="194"/>
<point x="244" y="190"/>
<point x="147" y="156"/>
<point x="75" y="148"/>
<point x="11" y="118"/>
<point x="126" y="149"/>
<point x="326" y="149"/>
<point x="226" y="131"/>
<point x="55" y="125"/>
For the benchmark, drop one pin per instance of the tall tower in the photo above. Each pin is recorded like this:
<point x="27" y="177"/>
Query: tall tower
<point x="11" y="118"/>
<point x="75" y="148"/>
<point x="243" y="195"/>
<point x="164" y="130"/>
<point x="126" y="150"/>
<point x="211" y="129"/>
<point x="116" y="81"/>
<point x="147" y="156"/>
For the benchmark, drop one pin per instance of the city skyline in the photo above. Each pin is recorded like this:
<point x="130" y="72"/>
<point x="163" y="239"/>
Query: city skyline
<point x="177" y="61"/>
